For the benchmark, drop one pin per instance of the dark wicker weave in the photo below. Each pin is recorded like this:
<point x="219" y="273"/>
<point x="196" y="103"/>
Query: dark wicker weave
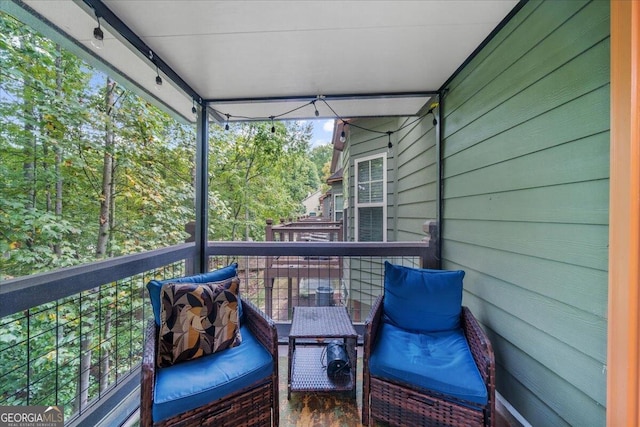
<point x="404" y="405"/>
<point x="256" y="405"/>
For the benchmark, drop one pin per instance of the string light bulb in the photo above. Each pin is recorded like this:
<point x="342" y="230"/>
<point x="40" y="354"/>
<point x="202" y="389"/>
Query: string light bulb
<point x="316" y="112"/>
<point x="273" y="126"/>
<point x="193" y="106"/>
<point x="226" y="125"/>
<point x="158" y="79"/>
<point x="435" y="121"/>
<point x="98" y="35"/>
<point x="389" y="145"/>
<point x="343" y="134"/>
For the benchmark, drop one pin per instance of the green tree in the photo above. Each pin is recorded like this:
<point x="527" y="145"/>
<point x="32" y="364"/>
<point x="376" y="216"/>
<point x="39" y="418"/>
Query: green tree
<point x="320" y="155"/>
<point x="257" y="174"/>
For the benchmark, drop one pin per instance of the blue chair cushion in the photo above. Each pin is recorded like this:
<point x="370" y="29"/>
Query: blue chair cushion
<point x="422" y="300"/>
<point x="437" y="361"/>
<point x="189" y="385"/>
<point x="155" y="286"/>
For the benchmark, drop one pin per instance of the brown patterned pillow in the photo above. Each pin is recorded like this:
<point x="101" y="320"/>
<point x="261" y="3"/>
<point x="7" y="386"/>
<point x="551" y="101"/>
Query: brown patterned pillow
<point x="197" y="319"/>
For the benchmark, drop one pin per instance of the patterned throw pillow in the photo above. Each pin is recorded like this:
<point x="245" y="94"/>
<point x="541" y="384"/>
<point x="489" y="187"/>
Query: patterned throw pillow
<point x="197" y="319"/>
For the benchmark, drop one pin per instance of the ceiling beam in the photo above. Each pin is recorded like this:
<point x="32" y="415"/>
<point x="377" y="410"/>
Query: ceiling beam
<point x="119" y="27"/>
<point x="309" y="98"/>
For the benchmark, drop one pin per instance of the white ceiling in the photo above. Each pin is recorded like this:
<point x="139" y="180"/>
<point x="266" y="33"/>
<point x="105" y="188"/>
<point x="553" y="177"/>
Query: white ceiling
<point x="239" y="54"/>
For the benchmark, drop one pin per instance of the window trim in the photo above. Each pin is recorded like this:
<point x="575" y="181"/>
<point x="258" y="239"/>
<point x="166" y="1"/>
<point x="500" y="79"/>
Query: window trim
<point x="357" y="206"/>
<point x="337" y="208"/>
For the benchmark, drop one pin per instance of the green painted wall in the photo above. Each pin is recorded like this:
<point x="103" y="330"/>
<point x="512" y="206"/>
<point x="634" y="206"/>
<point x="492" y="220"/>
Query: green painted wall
<point x="525" y="205"/>
<point x="411" y="171"/>
<point x="411" y="190"/>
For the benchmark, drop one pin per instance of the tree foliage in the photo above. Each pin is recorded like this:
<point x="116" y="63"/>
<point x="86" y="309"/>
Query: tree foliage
<point x="54" y="126"/>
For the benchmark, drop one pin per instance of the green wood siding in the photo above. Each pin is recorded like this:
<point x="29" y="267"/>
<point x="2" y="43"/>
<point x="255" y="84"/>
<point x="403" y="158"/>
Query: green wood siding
<point x="415" y="192"/>
<point x="411" y="171"/>
<point x="525" y="205"/>
<point x="411" y="188"/>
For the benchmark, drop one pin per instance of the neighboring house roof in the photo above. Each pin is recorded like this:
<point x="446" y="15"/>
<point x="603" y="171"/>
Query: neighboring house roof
<point x="335" y="177"/>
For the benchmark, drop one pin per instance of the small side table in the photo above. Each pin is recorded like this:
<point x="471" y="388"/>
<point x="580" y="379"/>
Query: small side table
<point x="311" y="329"/>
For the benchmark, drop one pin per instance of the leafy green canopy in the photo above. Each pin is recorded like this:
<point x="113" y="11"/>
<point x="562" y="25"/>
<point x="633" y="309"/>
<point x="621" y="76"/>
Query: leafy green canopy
<point x="86" y="164"/>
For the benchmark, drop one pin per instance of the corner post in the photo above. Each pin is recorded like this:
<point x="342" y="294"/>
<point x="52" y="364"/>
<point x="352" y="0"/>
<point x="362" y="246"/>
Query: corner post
<point x="200" y="263"/>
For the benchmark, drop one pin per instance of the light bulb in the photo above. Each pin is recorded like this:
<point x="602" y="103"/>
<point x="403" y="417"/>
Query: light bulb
<point x="158" y="82"/>
<point x="98" y="37"/>
<point x="343" y="136"/>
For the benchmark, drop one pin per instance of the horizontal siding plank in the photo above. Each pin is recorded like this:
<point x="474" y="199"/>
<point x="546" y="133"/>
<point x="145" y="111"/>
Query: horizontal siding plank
<point x="417" y="160"/>
<point x="562" y="403"/>
<point x="576" y="328"/>
<point x="572" y="38"/>
<point x="582" y="287"/>
<point x="582" y="160"/>
<point x="421" y="211"/>
<point x="429" y="189"/>
<point x="538" y="414"/>
<point x="411" y="229"/>
<point x="578" y="203"/>
<point x="579" y="76"/>
<point x="577" y="244"/>
<point x="582" y="117"/>
<point x="424" y="177"/>
<point x="585" y="376"/>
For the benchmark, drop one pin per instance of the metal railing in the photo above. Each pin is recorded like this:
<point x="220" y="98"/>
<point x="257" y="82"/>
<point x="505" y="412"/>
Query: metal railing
<point x="73" y="337"/>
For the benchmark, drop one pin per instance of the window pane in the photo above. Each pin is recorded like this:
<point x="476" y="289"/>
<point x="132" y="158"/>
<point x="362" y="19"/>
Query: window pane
<point x="377" y="172"/>
<point x="363" y="172"/>
<point x="370" y="223"/>
<point x="377" y="191"/>
<point x="364" y="190"/>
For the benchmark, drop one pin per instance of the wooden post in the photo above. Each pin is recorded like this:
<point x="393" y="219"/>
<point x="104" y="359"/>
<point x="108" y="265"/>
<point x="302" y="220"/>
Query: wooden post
<point x="623" y="346"/>
<point x="431" y="229"/>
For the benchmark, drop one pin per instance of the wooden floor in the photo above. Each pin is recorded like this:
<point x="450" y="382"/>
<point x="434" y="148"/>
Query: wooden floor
<point x="326" y="409"/>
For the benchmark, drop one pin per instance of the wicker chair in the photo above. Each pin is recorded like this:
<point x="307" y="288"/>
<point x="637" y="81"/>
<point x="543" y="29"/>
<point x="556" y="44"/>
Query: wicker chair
<point x="399" y="403"/>
<point x="253" y="405"/>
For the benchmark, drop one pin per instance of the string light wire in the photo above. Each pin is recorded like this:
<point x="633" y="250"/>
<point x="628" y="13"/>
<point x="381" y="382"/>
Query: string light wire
<point x="345" y="122"/>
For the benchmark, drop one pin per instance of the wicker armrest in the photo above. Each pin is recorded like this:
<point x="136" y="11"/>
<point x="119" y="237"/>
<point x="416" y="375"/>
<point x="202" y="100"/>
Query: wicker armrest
<point x="372" y="324"/>
<point x="148" y="373"/>
<point x="482" y="352"/>
<point x="263" y="328"/>
<point x="478" y="343"/>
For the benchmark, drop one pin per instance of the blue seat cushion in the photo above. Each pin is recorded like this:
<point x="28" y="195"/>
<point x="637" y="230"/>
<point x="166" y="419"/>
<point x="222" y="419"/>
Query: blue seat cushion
<point x="155" y="286"/>
<point x="422" y="300"/>
<point x="437" y="361"/>
<point x="186" y="386"/>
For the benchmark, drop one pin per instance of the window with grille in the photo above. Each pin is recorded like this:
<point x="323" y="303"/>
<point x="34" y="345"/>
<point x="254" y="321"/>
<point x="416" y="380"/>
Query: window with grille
<point x="371" y="198"/>
<point x="338" y="206"/>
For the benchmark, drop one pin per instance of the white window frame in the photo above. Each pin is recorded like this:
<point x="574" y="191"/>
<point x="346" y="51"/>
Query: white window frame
<point x="337" y="208"/>
<point x="383" y="203"/>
